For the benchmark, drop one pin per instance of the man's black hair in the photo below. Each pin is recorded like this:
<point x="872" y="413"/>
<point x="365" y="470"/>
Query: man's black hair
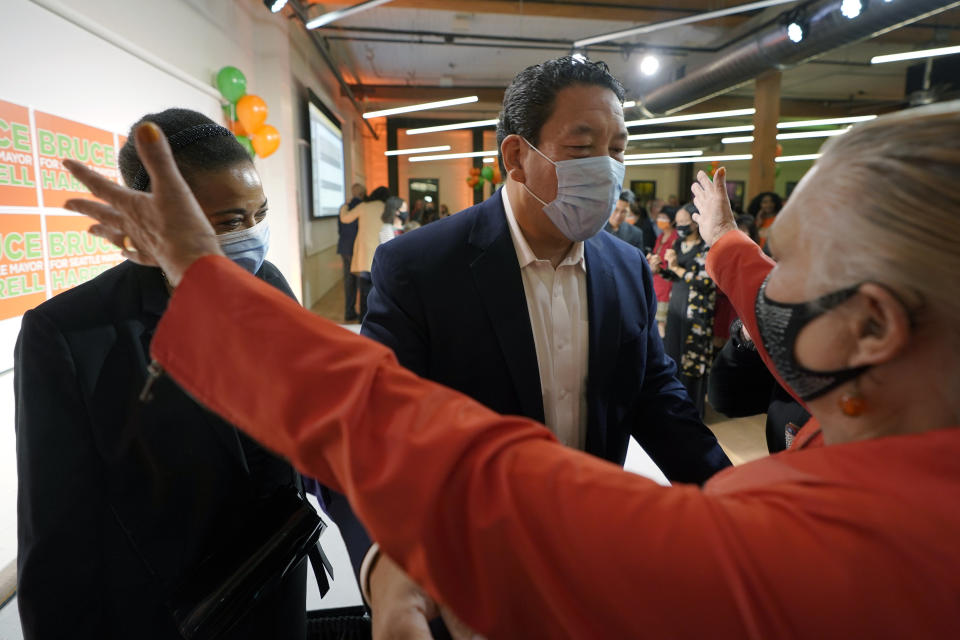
<point x="380" y="193"/>
<point x="628" y="196"/>
<point x="529" y="100"/>
<point x="206" y="153"/>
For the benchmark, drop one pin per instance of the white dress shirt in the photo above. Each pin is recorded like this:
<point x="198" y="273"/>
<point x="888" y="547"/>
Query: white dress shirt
<point x="557" y="304"/>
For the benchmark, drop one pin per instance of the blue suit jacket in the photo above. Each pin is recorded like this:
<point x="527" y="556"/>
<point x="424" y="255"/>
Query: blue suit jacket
<point x="448" y="298"/>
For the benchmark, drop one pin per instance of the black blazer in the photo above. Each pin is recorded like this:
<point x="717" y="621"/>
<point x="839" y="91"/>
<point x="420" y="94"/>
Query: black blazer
<point x="118" y="499"/>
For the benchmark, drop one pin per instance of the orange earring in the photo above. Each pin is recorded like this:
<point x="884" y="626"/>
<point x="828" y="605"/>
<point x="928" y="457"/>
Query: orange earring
<point x="852" y="403"/>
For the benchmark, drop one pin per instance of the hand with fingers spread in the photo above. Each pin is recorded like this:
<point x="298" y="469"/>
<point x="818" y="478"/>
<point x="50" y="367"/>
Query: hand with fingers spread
<point x="165" y="227"/>
<point x="715" y="215"/>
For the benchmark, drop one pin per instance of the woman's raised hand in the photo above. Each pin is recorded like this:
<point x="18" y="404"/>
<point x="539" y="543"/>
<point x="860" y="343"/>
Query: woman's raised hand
<point x="164" y="227"/>
<point x="715" y="216"/>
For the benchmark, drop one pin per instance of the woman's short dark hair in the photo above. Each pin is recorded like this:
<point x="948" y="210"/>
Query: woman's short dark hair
<point x="754" y="207"/>
<point x="529" y="100"/>
<point x="390" y="209"/>
<point x="209" y="148"/>
<point x="380" y="193"/>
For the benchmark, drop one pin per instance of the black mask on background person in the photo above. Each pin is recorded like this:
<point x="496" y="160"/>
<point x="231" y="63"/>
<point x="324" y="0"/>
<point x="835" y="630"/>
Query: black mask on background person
<point x="780" y="324"/>
<point x="683" y="230"/>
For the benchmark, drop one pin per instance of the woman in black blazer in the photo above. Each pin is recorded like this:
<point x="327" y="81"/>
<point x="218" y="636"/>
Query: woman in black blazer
<point x="119" y="499"/>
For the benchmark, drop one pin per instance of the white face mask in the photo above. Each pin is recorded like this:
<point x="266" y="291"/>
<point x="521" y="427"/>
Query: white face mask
<point x="247" y="247"/>
<point x="587" y="191"/>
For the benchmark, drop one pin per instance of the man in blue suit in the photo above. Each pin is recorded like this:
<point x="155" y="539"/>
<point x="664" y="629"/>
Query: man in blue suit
<point x="521" y="304"/>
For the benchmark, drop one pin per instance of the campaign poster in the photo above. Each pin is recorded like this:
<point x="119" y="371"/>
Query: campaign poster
<point x="22" y="282"/>
<point x="58" y="139"/>
<point x="75" y="255"/>
<point x="18" y="180"/>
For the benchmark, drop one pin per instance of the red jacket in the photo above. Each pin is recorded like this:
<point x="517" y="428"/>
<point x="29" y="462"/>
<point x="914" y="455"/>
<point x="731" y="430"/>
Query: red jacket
<point x="661" y="286"/>
<point x="524" y="538"/>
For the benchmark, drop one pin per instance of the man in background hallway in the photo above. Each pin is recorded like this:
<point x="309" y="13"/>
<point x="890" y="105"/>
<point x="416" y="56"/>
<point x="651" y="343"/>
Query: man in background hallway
<point x="347" y="236"/>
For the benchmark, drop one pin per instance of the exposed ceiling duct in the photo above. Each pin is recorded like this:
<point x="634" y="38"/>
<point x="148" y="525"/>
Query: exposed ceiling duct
<point x="825" y="27"/>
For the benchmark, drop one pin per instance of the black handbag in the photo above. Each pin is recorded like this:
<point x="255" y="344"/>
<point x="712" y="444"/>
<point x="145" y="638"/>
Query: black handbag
<point x="279" y="533"/>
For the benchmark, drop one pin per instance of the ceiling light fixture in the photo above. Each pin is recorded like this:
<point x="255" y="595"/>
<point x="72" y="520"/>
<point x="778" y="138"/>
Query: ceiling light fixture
<point x="823" y="122"/>
<point x="629" y="103"/>
<point x="666" y="24"/>
<point x="795" y="32"/>
<point x="453" y="127"/>
<point x="851" y="9"/>
<point x="489" y="160"/>
<point x="665" y="154"/>
<point x="732" y="158"/>
<point x="454" y="156"/>
<point x="333" y="16"/>
<point x="421" y="107"/>
<point x="809" y="156"/>
<point x="914" y="55"/>
<point x="406" y="152"/>
<point x="799" y="135"/>
<point x="649" y="65"/>
<point x="690" y="132"/>
<point x="733" y="113"/>
<point x="275" y="5"/>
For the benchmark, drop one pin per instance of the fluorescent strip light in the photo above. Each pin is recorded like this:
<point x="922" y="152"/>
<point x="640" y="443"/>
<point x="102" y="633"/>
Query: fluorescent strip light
<point x="489" y="160"/>
<point x="454" y="156"/>
<point x="823" y="122"/>
<point x="333" y="16"/>
<point x="733" y="158"/>
<point x="277" y="6"/>
<point x="421" y="107"/>
<point x="693" y="116"/>
<point x="629" y="103"/>
<point x="809" y="156"/>
<point x="914" y="55"/>
<point x="690" y="132"/>
<point x="666" y="154"/>
<point x="406" y="152"/>
<point x="799" y="135"/>
<point x="453" y="127"/>
<point x="666" y="24"/>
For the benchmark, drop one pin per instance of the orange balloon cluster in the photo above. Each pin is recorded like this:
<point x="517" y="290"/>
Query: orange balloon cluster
<point x="478" y="176"/>
<point x="247" y="115"/>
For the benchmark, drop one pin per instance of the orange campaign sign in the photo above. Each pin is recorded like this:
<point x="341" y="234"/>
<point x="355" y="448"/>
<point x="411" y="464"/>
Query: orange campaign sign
<point x="18" y="181"/>
<point x="75" y="255"/>
<point x="59" y="139"/>
<point x="22" y="283"/>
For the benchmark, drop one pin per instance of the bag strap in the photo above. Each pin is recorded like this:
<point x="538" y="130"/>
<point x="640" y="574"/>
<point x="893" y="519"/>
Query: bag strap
<point x="321" y="567"/>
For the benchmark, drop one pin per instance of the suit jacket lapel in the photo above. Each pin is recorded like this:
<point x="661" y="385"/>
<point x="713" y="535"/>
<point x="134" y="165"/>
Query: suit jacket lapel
<point x="604" y="328"/>
<point x="496" y="272"/>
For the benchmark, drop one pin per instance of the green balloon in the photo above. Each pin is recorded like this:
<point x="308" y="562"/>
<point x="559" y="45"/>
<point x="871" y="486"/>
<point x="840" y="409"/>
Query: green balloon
<point x="247" y="144"/>
<point x="232" y="83"/>
<point x="487" y="173"/>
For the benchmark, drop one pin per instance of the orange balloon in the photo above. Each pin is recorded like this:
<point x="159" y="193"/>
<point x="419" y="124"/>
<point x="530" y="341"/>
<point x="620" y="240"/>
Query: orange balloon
<point x="238" y="129"/>
<point x="266" y="140"/>
<point x="251" y="112"/>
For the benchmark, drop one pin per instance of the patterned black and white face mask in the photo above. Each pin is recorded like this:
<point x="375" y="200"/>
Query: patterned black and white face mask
<point x="780" y="324"/>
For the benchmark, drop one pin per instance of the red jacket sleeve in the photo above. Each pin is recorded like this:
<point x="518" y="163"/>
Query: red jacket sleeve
<point x="519" y="535"/>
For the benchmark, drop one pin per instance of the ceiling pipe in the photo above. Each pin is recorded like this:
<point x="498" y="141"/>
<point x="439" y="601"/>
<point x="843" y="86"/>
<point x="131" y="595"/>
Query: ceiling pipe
<point x="826" y="28"/>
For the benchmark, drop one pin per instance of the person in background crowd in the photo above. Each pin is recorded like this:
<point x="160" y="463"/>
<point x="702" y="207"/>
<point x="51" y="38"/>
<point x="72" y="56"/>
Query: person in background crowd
<point x="617" y="224"/>
<point x="689" y="336"/>
<point x="429" y="214"/>
<point x="389" y="218"/>
<point x="653" y="209"/>
<point x="852" y="533"/>
<point x="748" y="224"/>
<point x="346" y="238"/>
<point x="119" y="502"/>
<point x="641" y="220"/>
<point x="666" y="223"/>
<point x="673" y="201"/>
<point x="416" y="214"/>
<point x="369" y="214"/>
<point x="524" y="304"/>
<point x="444" y="211"/>
<point x="764" y="209"/>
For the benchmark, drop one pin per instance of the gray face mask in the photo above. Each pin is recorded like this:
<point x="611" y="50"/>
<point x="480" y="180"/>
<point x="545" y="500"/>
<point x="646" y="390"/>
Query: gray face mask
<point x="587" y="191"/>
<point x="247" y="247"/>
<point x="780" y="324"/>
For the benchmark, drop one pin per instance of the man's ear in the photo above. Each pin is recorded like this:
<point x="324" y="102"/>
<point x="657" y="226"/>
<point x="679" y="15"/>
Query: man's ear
<point x="881" y="327"/>
<point x="513" y="152"/>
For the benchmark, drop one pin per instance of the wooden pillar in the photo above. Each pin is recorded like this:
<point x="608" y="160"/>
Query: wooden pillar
<point x="763" y="167"/>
